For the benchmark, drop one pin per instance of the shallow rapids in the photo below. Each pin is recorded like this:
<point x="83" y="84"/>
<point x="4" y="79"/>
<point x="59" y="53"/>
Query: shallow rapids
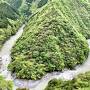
<point x="39" y="84"/>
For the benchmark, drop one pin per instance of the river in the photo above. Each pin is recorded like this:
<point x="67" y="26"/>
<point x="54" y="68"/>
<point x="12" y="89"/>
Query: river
<point x="39" y="84"/>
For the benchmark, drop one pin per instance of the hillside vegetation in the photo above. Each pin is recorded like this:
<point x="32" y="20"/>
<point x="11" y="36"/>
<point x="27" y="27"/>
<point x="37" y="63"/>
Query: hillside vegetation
<point x="26" y="7"/>
<point x="5" y="33"/>
<point x="9" y="22"/>
<point x="81" y="82"/>
<point x="12" y="14"/>
<point x="54" y="39"/>
<point x="7" y="12"/>
<point x="5" y="85"/>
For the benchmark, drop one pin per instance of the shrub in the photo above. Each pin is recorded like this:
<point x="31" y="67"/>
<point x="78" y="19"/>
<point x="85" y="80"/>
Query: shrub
<point x="5" y="85"/>
<point x="81" y="82"/>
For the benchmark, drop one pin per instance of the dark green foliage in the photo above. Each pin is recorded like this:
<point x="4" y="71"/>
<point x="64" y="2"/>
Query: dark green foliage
<point x="10" y="20"/>
<point x="5" y="33"/>
<point x="50" y="39"/>
<point x="25" y="8"/>
<point x="42" y="3"/>
<point x="22" y="89"/>
<point x="4" y="22"/>
<point x="81" y="82"/>
<point x="15" y="3"/>
<point x="29" y="1"/>
<point x="6" y="12"/>
<point x="5" y="85"/>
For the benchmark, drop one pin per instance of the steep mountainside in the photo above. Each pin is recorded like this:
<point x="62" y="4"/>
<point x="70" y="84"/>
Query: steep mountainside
<point x="25" y="6"/>
<point x="15" y="3"/>
<point x="7" y="12"/>
<point x="9" y="21"/>
<point x="12" y="14"/>
<point x="52" y="40"/>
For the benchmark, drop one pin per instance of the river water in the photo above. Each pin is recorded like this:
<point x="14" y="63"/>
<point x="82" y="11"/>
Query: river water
<point x="39" y="84"/>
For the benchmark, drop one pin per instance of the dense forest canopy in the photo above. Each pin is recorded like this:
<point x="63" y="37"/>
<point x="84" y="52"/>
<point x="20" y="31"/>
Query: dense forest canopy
<point x="12" y="14"/>
<point x="15" y="3"/>
<point x="54" y="39"/>
<point x="7" y="12"/>
<point x="81" y="82"/>
<point x="22" y="7"/>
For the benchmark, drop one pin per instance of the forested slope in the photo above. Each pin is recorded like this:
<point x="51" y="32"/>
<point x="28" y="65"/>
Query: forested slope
<point x="9" y="22"/>
<point x="12" y="14"/>
<point x="54" y="39"/>
<point x="81" y="82"/>
<point x="7" y="12"/>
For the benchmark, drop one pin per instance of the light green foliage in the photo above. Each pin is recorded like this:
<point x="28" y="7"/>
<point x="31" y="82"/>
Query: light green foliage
<point x="77" y="13"/>
<point x="52" y="41"/>
<point x="81" y="82"/>
<point x="33" y="7"/>
<point x="5" y="85"/>
<point x="27" y="69"/>
<point x="29" y="7"/>
<point x="5" y="33"/>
